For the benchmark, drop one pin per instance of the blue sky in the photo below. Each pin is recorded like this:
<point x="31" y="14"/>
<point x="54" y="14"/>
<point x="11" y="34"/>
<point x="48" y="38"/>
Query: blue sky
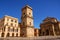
<point x="41" y="9"/>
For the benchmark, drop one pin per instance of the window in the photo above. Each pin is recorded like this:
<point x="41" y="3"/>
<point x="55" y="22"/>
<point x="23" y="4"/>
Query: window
<point x="30" y="23"/>
<point x="24" y="13"/>
<point x="7" y="24"/>
<point x="2" y="35"/>
<point x="7" y="19"/>
<point x="11" y="24"/>
<point x="23" y="23"/>
<point x="29" y="13"/>
<point x="35" y="30"/>
<point x="15" y="21"/>
<point x="15" y="25"/>
<point x="16" y="30"/>
<point x="13" y="30"/>
<point x="4" y="28"/>
<point x="8" y="28"/>
<point x="12" y="34"/>
<point x="11" y="20"/>
<point x="8" y="34"/>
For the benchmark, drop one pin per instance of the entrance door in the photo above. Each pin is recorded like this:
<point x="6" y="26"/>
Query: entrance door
<point x="47" y="32"/>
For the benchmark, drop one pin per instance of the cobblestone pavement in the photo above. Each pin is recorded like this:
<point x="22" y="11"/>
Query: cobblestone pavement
<point x="32" y="38"/>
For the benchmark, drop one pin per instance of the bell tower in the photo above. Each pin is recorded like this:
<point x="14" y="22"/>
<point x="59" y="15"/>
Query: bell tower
<point x="27" y="21"/>
<point x="27" y="16"/>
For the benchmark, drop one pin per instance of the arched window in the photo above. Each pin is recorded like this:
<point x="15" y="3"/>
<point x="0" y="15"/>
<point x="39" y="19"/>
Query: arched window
<point x="4" y="28"/>
<point x="2" y="35"/>
<point x="15" y="21"/>
<point x="12" y="34"/>
<point x="23" y="23"/>
<point x="8" y="28"/>
<point x="13" y="29"/>
<point x="8" y="34"/>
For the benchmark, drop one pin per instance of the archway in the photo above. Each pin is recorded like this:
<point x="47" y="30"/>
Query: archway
<point x="12" y="34"/>
<point x="8" y="34"/>
<point x="43" y="33"/>
<point x="2" y="35"/>
<point x="47" y="32"/>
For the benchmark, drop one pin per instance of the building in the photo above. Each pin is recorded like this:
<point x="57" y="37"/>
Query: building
<point x="27" y="22"/>
<point x="10" y="27"/>
<point x="36" y="32"/>
<point x="50" y="26"/>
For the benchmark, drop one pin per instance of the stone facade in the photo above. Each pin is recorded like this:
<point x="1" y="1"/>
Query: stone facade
<point x="10" y="27"/>
<point x="27" y="21"/>
<point x="50" y="26"/>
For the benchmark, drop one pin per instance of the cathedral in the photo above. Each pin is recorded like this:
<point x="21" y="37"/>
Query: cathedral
<point x="50" y="27"/>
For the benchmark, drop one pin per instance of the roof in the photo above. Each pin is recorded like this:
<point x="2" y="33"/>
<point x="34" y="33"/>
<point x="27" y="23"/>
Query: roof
<point x="27" y="6"/>
<point x="11" y="17"/>
<point x="48" y="18"/>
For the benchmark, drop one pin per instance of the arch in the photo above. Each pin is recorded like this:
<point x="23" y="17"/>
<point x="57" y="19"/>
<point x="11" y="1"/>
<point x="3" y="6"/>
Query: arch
<point x="13" y="29"/>
<point x="47" y="32"/>
<point x="43" y="33"/>
<point x="2" y="35"/>
<point x="8" y="28"/>
<point x="8" y="34"/>
<point x="12" y="34"/>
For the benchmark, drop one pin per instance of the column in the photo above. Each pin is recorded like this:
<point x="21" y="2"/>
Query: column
<point x="53" y="30"/>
